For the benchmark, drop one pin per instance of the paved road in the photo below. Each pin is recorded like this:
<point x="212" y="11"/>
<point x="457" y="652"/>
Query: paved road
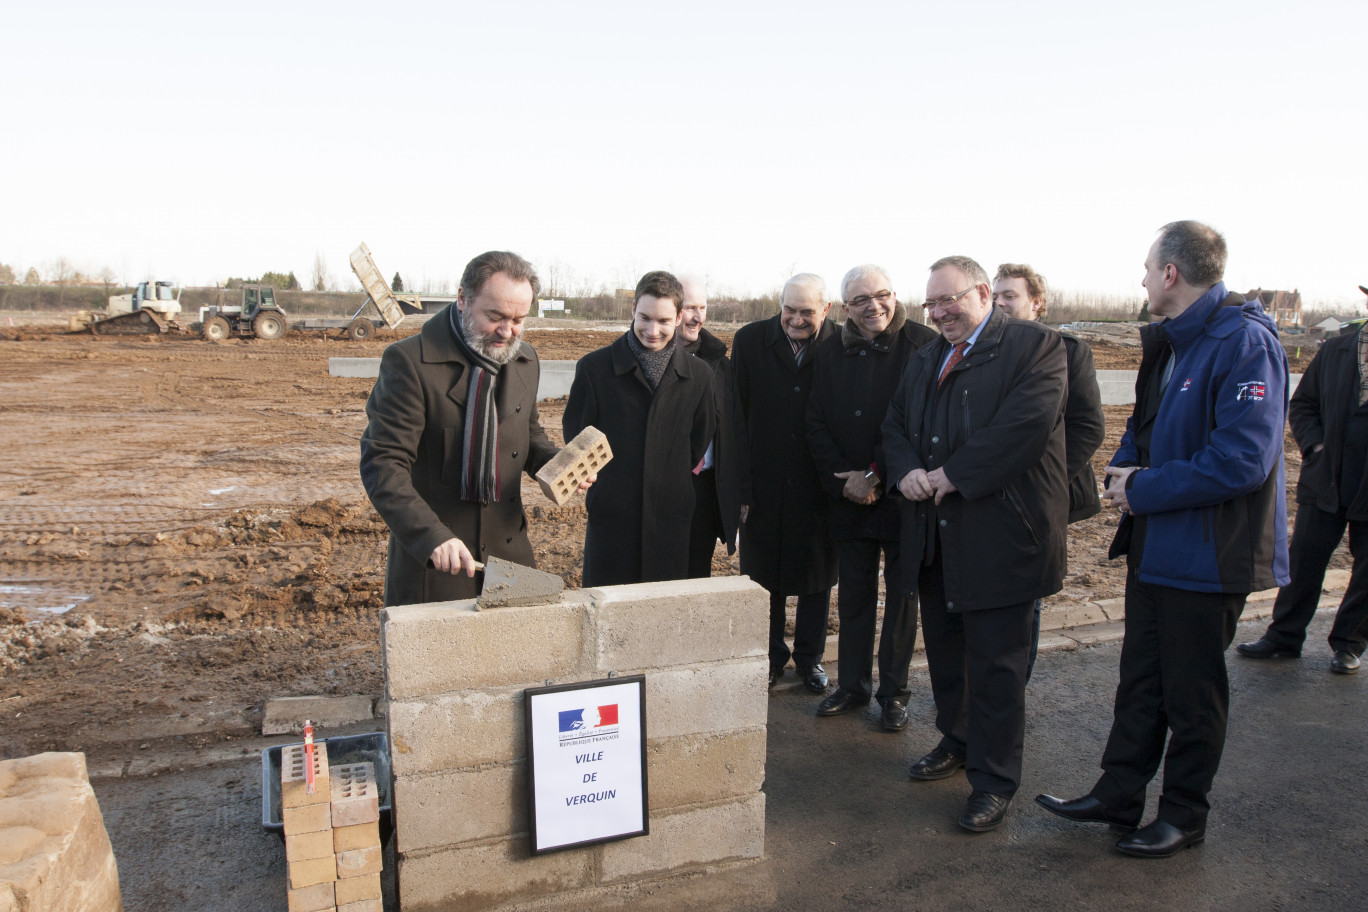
<point x="848" y="831"/>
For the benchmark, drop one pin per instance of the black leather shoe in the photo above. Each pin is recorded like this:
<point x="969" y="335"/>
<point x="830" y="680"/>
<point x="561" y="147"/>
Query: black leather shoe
<point x="1088" y="810"/>
<point x="775" y="674"/>
<point x="814" y="678"/>
<point x="938" y="764"/>
<point x="841" y="701"/>
<point x="1344" y="662"/>
<point x="1159" y="840"/>
<point x="1264" y="648"/>
<point x="984" y="811"/>
<point x="894" y="716"/>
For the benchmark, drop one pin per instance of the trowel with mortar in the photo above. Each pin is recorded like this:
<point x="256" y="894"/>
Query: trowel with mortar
<point x="510" y="585"/>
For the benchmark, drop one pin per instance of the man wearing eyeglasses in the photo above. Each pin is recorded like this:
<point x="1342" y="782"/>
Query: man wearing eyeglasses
<point x="974" y="439"/>
<point x="857" y="370"/>
<point x="1020" y="292"/>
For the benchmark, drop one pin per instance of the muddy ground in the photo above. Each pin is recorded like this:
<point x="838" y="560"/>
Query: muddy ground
<point x="183" y="534"/>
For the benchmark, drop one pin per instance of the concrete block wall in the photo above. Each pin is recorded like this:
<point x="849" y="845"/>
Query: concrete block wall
<point x="55" y="854"/>
<point x="454" y="687"/>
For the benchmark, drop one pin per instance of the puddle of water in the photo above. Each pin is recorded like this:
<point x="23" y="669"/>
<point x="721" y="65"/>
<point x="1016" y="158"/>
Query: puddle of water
<point x="39" y="598"/>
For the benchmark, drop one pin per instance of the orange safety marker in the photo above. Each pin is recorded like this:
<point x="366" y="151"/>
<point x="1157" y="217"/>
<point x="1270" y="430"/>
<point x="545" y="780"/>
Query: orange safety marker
<point x="308" y="758"/>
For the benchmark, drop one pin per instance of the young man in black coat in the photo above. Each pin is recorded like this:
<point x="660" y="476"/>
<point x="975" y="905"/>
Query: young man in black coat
<point x="654" y="402"/>
<point x="717" y="500"/>
<point x="785" y="543"/>
<point x="1329" y="418"/>
<point x="974" y="440"/>
<point x="1020" y="292"/>
<point x="857" y="371"/>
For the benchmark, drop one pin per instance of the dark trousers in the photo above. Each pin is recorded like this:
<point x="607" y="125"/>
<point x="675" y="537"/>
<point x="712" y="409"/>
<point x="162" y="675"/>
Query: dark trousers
<point x="1315" y="536"/>
<point x="706" y="526"/>
<point x="809" y="629"/>
<point x="1036" y="609"/>
<point x="977" y="661"/>
<point x="857" y="604"/>
<point x="1173" y="687"/>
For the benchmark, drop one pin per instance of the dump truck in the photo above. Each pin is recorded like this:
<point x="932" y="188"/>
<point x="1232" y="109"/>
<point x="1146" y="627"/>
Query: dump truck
<point x="247" y="312"/>
<point x="384" y="305"/>
<point x="149" y="309"/>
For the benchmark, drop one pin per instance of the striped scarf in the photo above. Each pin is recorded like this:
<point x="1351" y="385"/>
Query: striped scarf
<point x="480" y="440"/>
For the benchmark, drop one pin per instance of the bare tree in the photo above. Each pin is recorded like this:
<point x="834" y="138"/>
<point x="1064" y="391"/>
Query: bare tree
<point x="60" y="272"/>
<point x="321" y="279"/>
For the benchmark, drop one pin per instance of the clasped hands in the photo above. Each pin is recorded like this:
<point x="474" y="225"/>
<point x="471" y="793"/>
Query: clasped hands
<point x="920" y="484"/>
<point x="1115" y="493"/>
<point x="860" y="487"/>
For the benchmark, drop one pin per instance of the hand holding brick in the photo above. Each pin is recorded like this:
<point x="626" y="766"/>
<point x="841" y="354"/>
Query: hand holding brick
<point x="580" y="458"/>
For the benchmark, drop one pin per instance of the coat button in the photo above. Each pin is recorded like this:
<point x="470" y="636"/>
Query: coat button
<point x="935" y="440"/>
<point x="950" y="606"/>
<point x="518" y="409"/>
<point x="482" y="547"/>
<point x="858" y="413"/>
<point x="515" y="454"/>
<point x="509" y="540"/>
<point x="863" y="353"/>
<point x="797" y="389"/>
<point x="942" y="522"/>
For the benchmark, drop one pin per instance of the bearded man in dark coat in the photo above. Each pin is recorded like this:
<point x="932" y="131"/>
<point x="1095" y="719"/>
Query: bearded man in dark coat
<point x="453" y="424"/>
<point x="654" y="402"/>
<point x="785" y="544"/>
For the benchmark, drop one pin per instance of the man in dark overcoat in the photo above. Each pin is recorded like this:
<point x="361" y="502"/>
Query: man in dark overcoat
<point x="1020" y="292"/>
<point x="449" y="503"/>
<point x="785" y="544"/>
<point x="1329" y="418"/>
<point x="654" y="402"/>
<point x="974" y="439"/>
<point x="717" y="499"/>
<point x="857" y="371"/>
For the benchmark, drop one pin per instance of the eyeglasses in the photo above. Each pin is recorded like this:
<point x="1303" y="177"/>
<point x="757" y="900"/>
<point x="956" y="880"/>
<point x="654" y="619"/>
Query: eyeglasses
<point x="946" y="302"/>
<point x="865" y="300"/>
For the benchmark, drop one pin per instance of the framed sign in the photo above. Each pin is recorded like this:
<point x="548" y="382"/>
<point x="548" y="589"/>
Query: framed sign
<point x="586" y="762"/>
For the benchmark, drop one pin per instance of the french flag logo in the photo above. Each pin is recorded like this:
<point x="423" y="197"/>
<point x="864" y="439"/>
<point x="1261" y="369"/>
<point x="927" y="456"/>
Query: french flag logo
<point x="578" y="720"/>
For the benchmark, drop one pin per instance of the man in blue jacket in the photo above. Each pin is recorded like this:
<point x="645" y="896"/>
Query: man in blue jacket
<point x="1199" y="478"/>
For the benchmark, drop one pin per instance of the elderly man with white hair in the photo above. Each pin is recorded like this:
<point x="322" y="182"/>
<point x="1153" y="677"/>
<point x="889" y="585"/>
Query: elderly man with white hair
<point x="785" y="544"/>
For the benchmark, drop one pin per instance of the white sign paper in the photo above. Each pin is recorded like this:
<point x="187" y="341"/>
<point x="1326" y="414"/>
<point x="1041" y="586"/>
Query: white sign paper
<point x="587" y="762"/>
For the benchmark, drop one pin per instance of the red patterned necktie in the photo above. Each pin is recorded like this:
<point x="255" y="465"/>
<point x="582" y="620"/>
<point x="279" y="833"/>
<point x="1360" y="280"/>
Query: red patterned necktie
<point x="956" y="357"/>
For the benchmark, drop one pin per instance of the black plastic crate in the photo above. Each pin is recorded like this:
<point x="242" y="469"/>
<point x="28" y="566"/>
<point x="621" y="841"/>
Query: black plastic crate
<point x="368" y="748"/>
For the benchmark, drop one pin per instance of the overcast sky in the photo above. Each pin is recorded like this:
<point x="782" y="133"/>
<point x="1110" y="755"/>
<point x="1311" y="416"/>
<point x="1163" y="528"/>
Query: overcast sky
<point x="740" y="141"/>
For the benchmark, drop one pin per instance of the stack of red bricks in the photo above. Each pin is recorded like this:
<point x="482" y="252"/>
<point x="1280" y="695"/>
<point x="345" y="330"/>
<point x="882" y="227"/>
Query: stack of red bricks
<point x="332" y="835"/>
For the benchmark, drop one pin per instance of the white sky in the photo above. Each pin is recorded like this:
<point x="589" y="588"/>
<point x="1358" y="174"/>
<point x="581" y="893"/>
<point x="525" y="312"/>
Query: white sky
<point x="741" y="141"/>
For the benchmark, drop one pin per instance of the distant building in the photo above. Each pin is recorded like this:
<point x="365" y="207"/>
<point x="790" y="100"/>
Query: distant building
<point x="1330" y="324"/>
<point x="1285" y="307"/>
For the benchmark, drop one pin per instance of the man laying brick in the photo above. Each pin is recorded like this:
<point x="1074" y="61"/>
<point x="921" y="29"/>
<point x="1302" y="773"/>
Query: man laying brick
<point x="453" y="425"/>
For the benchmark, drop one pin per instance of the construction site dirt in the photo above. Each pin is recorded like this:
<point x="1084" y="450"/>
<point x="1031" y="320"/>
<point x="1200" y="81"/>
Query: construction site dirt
<point x="183" y="533"/>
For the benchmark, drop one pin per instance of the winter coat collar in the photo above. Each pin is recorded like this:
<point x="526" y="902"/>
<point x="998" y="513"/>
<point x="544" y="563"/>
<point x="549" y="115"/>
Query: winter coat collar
<point x="852" y="339"/>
